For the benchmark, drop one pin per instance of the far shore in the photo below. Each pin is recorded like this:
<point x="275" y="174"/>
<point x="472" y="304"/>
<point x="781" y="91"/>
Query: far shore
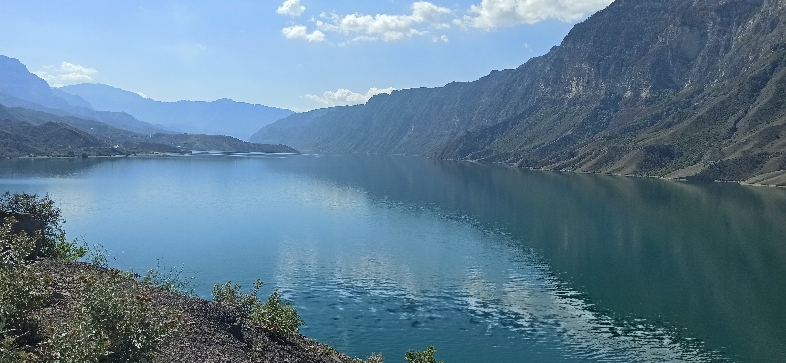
<point x="781" y="173"/>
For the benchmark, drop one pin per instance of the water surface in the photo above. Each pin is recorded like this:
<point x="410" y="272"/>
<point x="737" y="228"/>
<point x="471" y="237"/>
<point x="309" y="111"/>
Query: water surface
<point x="487" y="263"/>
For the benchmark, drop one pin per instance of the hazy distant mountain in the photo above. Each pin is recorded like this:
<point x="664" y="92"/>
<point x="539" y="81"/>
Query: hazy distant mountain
<point x="17" y="81"/>
<point x="221" y="117"/>
<point x="648" y="87"/>
<point x="28" y="132"/>
<point x="71" y="99"/>
<point x="20" y="88"/>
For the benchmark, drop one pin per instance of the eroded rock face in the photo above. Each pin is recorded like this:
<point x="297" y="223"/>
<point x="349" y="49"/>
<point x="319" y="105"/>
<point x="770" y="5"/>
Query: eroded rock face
<point x="649" y="87"/>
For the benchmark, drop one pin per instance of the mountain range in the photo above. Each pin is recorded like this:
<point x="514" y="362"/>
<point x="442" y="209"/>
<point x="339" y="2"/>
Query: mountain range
<point x="221" y="117"/>
<point x="668" y="88"/>
<point x="38" y="120"/>
<point x="20" y="88"/>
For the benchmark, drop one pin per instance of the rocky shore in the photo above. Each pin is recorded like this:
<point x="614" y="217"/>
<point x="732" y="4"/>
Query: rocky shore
<point x="210" y="332"/>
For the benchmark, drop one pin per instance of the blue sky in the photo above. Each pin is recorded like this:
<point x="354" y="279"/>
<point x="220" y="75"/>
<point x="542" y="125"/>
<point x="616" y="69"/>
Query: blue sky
<point x="296" y="54"/>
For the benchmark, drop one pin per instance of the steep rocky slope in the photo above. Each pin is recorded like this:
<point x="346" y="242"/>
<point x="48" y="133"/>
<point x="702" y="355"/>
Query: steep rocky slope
<point x="647" y="87"/>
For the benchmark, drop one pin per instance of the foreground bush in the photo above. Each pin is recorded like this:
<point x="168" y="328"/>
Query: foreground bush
<point x="22" y="290"/>
<point x="373" y="358"/>
<point x="230" y="295"/>
<point x="276" y="315"/>
<point x="52" y="241"/>
<point x="426" y="356"/>
<point x="115" y="322"/>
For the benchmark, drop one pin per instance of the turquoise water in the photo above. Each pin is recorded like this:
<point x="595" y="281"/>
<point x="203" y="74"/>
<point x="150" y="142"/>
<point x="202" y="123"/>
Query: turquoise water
<point x="487" y="263"/>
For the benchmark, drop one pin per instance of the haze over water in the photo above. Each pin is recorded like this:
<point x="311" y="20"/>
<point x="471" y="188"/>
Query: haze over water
<point x="487" y="263"/>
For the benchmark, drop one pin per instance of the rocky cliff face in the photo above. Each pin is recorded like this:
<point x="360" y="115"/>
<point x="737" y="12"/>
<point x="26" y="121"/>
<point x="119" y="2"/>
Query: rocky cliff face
<point x="648" y="87"/>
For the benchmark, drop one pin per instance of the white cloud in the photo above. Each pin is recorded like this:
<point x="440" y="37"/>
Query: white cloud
<point x="384" y="26"/>
<point x="301" y="32"/>
<point x="443" y="39"/>
<point x="344" y="97"/>
<point x="492" y="14"/>
<point x="291" y="8"/>
<point x="66" y="74"/>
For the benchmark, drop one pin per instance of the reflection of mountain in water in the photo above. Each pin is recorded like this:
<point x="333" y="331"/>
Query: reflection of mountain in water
<point x="50" y="167"/>
<point x="706" y="257"/>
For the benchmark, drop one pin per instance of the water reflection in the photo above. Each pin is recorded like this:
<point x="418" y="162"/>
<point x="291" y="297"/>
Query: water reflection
<point x="705" y="260"/>
<point x="488" y="263"/>
<point x="50" y="167"/>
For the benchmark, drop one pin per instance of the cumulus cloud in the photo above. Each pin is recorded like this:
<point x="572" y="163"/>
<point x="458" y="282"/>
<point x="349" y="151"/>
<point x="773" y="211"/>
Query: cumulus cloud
<point x="443" y="39"/>
<point x="344" y="97"/>
<point x="301" y="32"/>
<point x="384" y="26"/>
<point x="492" y="14"/>
<point x="291" y="8"/>
<point x="66" y="74"/>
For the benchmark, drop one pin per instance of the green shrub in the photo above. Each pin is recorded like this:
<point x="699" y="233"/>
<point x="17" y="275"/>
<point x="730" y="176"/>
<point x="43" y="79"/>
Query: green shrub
<point x="10" y="353"/>
<point x="373" y="358"/>
<point x="52" y="241"/>
<point x="426" y="356"/>
<point x="99" y="256"/>
<point x="68" y="251"/>
<point x="22" y="290"/>
<point x="171" y="280"/>
<point x="276" y="315"/>
<point x="116" y="323"/>
<point x="328" y="350"/>
<point x="78" y="342"/>
<point x="230" y="295"/>
<point x="119" y="316"/>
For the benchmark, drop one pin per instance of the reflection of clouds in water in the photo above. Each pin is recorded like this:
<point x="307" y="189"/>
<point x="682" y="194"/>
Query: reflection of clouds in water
<point x="531" y="302"/>
<point x="328" y="196"/>
<point x="443" y="265"/>
<point x="516" y="294"/>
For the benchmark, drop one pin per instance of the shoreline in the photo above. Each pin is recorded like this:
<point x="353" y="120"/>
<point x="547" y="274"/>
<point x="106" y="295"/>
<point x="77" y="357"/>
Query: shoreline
<point x="676" y="179"/>
<point x="223" y="153"/>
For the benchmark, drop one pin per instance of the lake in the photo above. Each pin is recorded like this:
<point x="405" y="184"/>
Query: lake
<point x="487" y="263"/>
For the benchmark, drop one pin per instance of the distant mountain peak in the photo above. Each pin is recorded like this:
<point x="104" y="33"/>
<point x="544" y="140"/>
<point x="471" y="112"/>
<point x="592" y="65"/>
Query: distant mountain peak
<point x="220" y="117"/>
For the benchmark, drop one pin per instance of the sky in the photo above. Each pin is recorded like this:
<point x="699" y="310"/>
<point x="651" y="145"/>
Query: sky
<point x="294" y="54"/>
